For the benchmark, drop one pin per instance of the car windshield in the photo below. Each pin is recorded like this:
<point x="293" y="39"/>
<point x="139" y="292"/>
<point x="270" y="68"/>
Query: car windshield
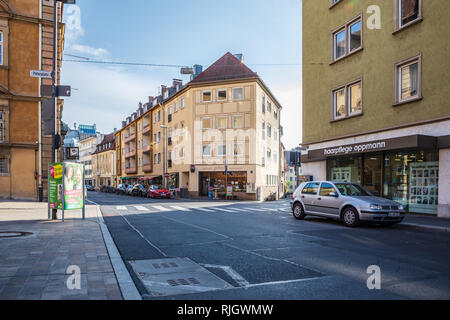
<point x="349" y="189"/>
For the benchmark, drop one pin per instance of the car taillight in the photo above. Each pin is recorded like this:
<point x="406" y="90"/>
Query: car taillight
<point x="292" y="197"/>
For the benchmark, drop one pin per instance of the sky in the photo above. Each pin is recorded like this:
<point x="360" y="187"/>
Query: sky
<point x="182" y="33"/>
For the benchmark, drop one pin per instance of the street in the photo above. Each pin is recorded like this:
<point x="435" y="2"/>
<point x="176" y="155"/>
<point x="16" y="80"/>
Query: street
<point x="252" y="250"/>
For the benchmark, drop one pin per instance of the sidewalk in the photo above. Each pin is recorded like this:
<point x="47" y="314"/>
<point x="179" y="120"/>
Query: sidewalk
<point x="34" y="267"/>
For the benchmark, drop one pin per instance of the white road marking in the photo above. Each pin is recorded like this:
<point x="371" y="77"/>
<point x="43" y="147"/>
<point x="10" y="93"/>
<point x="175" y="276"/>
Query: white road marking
<point x="161" y="208"/>
<point x="202" y="209"/>
<point x="141" y="208"/>
<point x="180" y="208"/>
<point x="242" y="210"/>
<point x="121" y="208"/>
<point x="270" y="209"/>
<point x="231" y="272"/>
<point x="255" y="209"/>
<point x="225" y="210"/>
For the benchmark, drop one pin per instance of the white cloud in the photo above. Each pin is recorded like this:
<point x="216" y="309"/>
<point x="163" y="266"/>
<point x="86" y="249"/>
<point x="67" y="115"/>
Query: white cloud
<point x="89" y="51"/>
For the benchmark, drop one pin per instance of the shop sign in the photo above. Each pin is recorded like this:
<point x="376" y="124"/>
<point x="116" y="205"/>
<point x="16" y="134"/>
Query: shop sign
<point x="358" y="148"/>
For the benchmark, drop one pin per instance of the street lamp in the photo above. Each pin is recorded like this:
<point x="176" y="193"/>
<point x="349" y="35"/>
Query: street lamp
<point x="164" y="154"/>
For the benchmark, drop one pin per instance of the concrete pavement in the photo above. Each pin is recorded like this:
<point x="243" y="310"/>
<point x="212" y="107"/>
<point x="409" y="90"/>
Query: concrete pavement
<point x="35" y="266"/>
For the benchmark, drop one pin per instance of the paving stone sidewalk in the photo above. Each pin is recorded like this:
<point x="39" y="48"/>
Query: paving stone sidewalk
<point x="34" y="267"/>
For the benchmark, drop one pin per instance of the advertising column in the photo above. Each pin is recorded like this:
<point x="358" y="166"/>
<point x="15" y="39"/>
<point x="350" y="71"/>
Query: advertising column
<point x="73" y="186"/>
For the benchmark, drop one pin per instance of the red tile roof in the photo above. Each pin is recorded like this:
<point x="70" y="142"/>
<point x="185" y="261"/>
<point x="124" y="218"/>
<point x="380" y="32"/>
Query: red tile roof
<point x="226" y="68"/>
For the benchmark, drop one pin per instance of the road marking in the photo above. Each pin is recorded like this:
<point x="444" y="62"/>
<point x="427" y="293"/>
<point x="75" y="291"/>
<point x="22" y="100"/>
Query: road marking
<point x="203" y="209"/>
<point x="161" y="208"/>
<point x="121" y="208"/>
<point x="180" y="208"/>
<point x="231" y="272"/>
<point x="141" y="208"/>
<point x="255" y="209"/>
<point x="270" y="209"/>
<point x="242" y="210"/>
<point x="225" y="210"/>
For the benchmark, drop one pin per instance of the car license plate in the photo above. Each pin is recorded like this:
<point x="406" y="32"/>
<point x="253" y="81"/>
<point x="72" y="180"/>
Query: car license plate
<point x="394" y="214"/>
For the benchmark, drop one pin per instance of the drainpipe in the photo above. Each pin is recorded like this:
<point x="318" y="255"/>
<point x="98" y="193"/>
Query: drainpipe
<point x="40" y="190"/>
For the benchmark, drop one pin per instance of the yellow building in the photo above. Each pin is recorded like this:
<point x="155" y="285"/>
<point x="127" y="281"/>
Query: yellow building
<point x="104" y="162"/>
<point x="375" y="98"/>
<point x="26" y="43"/>
<point x="225" y="116"/>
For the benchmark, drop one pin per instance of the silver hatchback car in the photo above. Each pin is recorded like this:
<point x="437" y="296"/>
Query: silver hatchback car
<point x="344" y="201"/>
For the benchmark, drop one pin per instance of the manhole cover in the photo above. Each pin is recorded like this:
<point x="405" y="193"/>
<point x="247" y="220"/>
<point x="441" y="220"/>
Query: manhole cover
<point x="14" y="234"/>
<point x="166" y="277"/>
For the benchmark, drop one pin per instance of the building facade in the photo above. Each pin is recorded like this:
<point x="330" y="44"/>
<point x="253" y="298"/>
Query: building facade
<point x="376" y="107"/>
<point x="26" y="43"/>
<point x="104" y="162"/>
<point x="225" y="116"/>
<point x="87" y="147"/>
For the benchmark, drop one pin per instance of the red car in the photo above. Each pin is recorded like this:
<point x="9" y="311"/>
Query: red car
<point x="155" y="192"/>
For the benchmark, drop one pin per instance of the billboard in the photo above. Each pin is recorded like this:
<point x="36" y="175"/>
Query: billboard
<point x="73" y="186"/>
<point x="55" y="185"/>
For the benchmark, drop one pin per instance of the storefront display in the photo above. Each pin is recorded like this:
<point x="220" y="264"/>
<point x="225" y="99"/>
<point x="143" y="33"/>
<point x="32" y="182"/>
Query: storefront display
<point x="423" y="187"/>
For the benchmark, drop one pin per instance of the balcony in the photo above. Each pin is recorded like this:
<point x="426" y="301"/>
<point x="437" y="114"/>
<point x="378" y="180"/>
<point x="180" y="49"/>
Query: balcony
<point x="130" y="154"/>
<point x="146" y="148"/>
<point x="146" y="129"/>
<point x="130" y="170"/>
<point x="131" y="137"/>
<point x="147" y="167"/>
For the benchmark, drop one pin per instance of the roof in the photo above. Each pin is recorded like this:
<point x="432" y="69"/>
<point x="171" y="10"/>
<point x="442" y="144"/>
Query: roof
<point x="109" y="138"/>
<point x="226" y="68"/>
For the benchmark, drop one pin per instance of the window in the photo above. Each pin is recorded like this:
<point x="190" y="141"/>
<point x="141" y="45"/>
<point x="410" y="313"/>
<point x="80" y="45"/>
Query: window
<point x="275" y="135"/>
<point x="263" y="104"/>
<point x="407" y="12"/>
<point x="222" y="122"/>
<point x="326" y="189"/>
<point x="2" y="127"/>
<point x="238" y="149"/>
<point x="269" y="154"/>
<point x="175" y="130"/>
<point x="275" y="113"/>
<point x="238" y="122"/>
<point x="206" y="150"/>
<point x="159" y="136"/>
<point x="206" y="96"/>
<point x="206" y="123"/>
<point x="408" y="80"/>
<point x="263" y="136"/>
<point x="155" y="159"/>
<point x="159" y="115"/>
<point x="181" y="153"/>
<point x="181" y="128"/>
<point x="155" y="140"/>
<point x="238" y="93"/>
<point x="269" y="130"/>
<point x="263" y="158"/>
<point x="347" y="39"/>
<point x="222" y="95"/>
<point x="221" y="150"/>
<point x="269" y="107"/>
<point x="182" y="103"/>
<point x="159" y="157"/>
<point x="154" y="118"/>
<point x="347" y="100"/>
<point x="311" y="188"/>
<point x="4" y="165"/>
<point x="176" y="106"/>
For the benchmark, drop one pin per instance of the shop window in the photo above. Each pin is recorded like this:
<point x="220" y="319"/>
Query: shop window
<point x="408" y="80"/>
<point x="344" y="169"/>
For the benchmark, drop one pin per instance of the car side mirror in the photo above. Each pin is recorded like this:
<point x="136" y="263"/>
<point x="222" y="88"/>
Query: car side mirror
<point x="334" y="194"/>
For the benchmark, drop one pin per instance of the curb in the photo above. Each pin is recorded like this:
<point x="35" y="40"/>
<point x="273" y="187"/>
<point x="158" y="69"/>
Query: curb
<point x="423" y="226"/>
<point x="126" y="283"/>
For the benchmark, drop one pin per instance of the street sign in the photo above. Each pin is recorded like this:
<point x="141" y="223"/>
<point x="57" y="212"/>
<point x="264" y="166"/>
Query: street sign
<point x="72" y="153"/>
<point x="63" y="91"/>
<point x="41" y="74"/>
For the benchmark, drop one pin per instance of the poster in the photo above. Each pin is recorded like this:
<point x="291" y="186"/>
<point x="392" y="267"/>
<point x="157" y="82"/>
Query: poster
<point x="343" y="174"/>
<point x="73" y="186"/>
<point x="55" y="188"/>
<point x="423" y="187"/>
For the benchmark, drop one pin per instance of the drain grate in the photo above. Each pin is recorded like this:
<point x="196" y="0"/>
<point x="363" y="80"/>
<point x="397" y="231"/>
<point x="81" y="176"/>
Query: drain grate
<point x="14" y="234"/>
<point x="183" y="282"/>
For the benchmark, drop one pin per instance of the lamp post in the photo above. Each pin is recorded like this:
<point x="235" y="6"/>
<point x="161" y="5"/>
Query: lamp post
<point x="164" y="155"/>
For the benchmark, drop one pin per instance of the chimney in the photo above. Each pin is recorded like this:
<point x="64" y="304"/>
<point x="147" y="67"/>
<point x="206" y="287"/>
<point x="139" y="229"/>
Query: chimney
<point x="74" y="126"/>
<point x="150" y="99"/>
<point x="177" y="83"/>
<point x="124" y="124"/>
<point x="115" y="130"/>
<point x="163" y="89"/>
<point x="240" y="57"/>
<point x="140" y="105"/>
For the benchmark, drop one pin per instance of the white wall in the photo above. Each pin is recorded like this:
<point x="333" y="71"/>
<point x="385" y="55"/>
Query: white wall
<point x="316" y="169"/>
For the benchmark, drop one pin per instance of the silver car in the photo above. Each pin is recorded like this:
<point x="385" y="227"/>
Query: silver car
<point x="344" y="201"/>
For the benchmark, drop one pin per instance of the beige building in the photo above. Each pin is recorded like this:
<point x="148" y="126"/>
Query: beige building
<point x="104" y="162"/>
<point x="225" y="115"/>
<point x="87" y="147"/>
<point x="26" y="43"/>
<point x="375" y="98"/>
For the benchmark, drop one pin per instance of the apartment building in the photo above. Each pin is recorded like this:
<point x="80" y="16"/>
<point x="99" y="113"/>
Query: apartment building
<point x="26" y="43"/>
<point x="376" y="107"/>
<point x="104" y="162"/>
<point x="87" y="147"/>
<point x="184" y="138"/>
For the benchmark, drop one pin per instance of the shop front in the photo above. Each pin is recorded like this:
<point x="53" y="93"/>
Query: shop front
<point x="216" y="183"/>
<point x="403" y="169"/>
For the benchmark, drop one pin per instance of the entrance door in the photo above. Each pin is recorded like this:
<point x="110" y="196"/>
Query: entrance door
<point x="373" y="173"/>
<point x="204" y="183"/>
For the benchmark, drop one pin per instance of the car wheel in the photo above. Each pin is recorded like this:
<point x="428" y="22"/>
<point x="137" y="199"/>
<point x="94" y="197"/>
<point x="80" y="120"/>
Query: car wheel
<point x="298" y="212"/>
<point x="350" y="217"/>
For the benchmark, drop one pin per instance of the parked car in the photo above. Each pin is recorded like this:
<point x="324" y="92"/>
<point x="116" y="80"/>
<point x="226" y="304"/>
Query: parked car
<point x="138" y="191"/>
<point x="129" y="190"/>
<point x="121" y="189"/>
<point x="156" y="192"/>
<point x="90" y="188"/>
<point x="347" y="202"/>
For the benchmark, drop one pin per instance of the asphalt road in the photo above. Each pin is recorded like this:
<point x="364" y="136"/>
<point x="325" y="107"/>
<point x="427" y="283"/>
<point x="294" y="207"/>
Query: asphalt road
<point x="262" y="252"/>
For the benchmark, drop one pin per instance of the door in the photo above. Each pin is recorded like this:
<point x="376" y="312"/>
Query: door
<point x="326" y="202"/>
<point x="373" y="173"/>
<point x="309" y="195"/>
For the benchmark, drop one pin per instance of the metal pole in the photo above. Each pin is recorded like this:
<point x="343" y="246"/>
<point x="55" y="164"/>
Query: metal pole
<point x="55" y="27"/>
<point x="84" y="203"/>
<point x="48" y="193"/>
<point x="64" y="190"/>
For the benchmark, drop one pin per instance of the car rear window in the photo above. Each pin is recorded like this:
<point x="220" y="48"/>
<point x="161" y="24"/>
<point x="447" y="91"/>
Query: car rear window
<point x="311" y="188"/>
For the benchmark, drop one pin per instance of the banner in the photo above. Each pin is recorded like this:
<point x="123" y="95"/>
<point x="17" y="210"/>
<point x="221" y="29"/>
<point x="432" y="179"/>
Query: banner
<point x="55" y="187"/>
<point x="73" y="186"/>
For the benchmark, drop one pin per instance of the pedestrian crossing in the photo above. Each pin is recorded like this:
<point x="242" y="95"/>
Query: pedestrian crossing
<point x="191" y="208"/>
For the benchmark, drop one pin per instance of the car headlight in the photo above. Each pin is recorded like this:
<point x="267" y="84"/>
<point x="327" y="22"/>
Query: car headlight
<point x="375" y="207"/>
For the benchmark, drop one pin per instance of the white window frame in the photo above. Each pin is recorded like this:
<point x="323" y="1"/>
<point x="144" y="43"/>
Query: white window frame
<point x="243" y="120"/>
<point x="226" y="95"/>
<point x="182" y="103"/>
<point x="346" y="29"/>
<point x="210" y="94"/>
<point x="221" y="154"/>
<point x="242" y="146"/>
<point x="176" y="107"/>
<point x="220" y="118"/>
<point x="269" y="130"/>
<point x="203" y="150"/>
<point x="234" y="95"/>
<point x="398" y="86"/>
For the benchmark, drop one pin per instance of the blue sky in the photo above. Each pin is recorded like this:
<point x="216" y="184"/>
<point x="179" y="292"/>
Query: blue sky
<point x="176" y="33"/>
